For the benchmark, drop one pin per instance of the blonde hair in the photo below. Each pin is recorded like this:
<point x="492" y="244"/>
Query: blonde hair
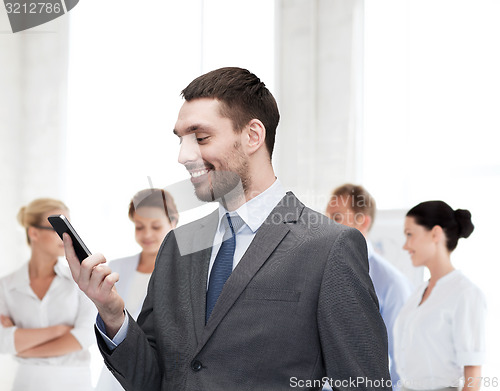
<point x="32" y="214"/>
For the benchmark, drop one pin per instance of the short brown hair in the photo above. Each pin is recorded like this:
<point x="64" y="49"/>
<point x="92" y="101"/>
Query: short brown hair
<point x="243" y="97"/>
<point x="156" y="198"/>
<point x="359" y="200"/>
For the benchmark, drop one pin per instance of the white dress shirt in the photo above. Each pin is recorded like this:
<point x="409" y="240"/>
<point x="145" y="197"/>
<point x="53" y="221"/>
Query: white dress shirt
<point x="64" y="304"/>
<point x="253" y="213"/>
<point x="436" y="339"/>
<point x="392" y="289"/>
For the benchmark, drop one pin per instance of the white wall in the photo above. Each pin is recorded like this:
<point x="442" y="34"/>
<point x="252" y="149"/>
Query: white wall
<point x="33" y="83"/>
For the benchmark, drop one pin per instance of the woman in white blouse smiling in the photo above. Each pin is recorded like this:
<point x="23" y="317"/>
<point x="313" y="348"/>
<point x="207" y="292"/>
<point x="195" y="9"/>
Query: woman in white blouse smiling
<point x="154" y="214"/>
<point x="439" y="333"/>
<point x="46" y="323"/>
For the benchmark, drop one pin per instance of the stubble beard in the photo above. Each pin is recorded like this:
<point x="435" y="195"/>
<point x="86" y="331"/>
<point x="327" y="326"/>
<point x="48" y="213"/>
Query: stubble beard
<point x="226" y="184"/>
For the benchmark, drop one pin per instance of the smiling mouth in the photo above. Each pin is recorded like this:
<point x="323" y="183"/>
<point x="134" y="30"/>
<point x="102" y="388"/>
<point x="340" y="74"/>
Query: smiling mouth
<point x="198" y="173"/>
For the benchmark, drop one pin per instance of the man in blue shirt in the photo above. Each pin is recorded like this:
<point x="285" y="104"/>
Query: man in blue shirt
<point x="353" y="206"/>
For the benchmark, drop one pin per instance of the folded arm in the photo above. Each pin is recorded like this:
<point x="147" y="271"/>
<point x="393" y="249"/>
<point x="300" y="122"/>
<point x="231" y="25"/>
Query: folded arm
<point x="26" y="339"/>
<point x="60" y="346"/>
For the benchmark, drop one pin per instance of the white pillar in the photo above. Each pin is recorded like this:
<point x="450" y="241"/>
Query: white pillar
<point x="320" y="95"/>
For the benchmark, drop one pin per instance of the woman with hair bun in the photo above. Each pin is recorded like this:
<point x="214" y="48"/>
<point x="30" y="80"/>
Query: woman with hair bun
<point x="46" y="321"/>
<point x="154" y="214"/>
<point x="439" y="333"/>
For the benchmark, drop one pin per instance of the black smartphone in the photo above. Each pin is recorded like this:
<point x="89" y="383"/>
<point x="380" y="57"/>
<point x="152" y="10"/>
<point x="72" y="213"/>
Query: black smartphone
<point x="61" y="225"/>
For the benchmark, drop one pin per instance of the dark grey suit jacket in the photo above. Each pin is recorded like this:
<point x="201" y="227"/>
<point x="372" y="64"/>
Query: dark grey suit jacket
<point x="299" y="306"/>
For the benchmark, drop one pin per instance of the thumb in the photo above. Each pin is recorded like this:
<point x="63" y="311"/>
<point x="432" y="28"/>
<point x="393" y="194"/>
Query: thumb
<point x="73" y="261"/>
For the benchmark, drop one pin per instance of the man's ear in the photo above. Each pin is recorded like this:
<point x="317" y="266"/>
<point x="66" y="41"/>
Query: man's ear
<point x="362" y="222"/>
<point x="254" y="136"/>
<point x="367" y="223"/>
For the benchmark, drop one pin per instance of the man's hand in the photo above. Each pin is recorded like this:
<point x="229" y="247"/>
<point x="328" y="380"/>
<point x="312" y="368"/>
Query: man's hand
<point x="97" y="281"/>
<point x="6" y="321"/>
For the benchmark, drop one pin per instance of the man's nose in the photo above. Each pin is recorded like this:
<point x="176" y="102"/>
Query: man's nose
<point x="189" y="150"/>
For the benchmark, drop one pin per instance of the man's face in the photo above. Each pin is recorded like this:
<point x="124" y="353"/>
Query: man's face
<point x="210" y="149"/>
<point x="339" y="210"/>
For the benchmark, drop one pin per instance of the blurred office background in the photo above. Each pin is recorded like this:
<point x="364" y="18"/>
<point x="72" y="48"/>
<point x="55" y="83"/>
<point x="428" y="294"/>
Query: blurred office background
<point x="401" y="96"/>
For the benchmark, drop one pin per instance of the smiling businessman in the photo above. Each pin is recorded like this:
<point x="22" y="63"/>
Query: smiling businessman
<point x="260" y="291"/>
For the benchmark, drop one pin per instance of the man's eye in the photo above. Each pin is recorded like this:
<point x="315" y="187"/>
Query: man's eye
<point x="201" y="139"/>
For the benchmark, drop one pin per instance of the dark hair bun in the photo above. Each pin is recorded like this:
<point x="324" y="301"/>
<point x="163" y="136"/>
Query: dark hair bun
<point x="465" y="226"/>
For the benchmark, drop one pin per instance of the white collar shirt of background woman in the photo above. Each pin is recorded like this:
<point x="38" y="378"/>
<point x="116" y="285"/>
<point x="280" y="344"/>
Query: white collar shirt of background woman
<point x="63" y="303"/>
<point x="435" y="340"/>
<point x="132" y="285"/>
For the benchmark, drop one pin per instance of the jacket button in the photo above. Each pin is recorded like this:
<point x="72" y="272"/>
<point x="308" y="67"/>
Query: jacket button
<point x="196" y="365"/>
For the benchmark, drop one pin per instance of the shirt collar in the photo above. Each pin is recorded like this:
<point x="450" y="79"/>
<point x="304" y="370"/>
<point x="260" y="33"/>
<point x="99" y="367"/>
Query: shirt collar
<point x="255" y="211"/>
<point x="370" y="248"/>
<point x="20" y="279"/>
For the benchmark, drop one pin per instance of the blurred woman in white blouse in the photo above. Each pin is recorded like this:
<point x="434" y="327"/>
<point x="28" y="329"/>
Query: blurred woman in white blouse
<point x="46" y="322"/>
<point x="154" y="214"/>
<point x="440" y="331"/>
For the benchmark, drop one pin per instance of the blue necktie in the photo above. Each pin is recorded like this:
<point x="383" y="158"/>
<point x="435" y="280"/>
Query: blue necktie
<point x="223" y="264"/>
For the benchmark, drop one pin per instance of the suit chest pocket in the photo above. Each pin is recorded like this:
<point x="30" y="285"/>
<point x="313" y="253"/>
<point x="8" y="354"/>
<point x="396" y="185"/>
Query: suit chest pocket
<point x="271" y="294"/>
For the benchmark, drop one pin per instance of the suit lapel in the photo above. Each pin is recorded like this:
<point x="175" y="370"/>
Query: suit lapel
<point x="267" y="238"/>
<point x="200" y="260"/>
<point x="199" y="272"/>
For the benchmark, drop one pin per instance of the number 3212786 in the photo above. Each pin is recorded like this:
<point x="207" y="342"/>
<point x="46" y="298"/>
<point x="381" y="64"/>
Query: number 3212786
<point x="33" y="8"/>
